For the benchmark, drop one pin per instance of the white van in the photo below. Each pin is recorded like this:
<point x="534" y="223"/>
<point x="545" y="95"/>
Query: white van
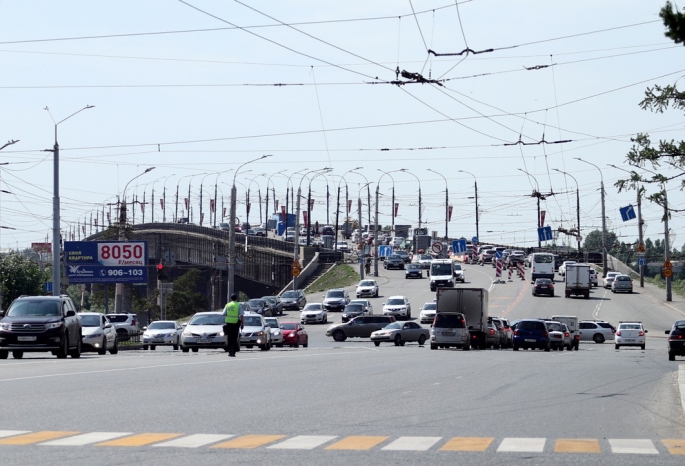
<point x="441" y="273"/>
<point x="541" y="266"/>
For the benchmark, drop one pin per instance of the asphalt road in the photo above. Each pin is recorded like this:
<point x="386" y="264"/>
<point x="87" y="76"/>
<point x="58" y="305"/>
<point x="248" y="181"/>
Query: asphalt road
<point x="344" y="402"/>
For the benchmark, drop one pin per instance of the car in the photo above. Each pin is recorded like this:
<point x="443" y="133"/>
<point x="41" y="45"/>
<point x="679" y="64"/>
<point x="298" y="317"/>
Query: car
<point x="293" y="299"/>
<point x="531" y="333"/>
<point x="343" y="246"/>
<point x="424" y="260"/>
<point x="507" y="336"/>
<point x="562" y="267"/>
<point x="364" y="302"/>
<point x="359" y="327"/>
<point x="98" y="334"/>
<point x="224" y="226"/>
<point x="367" y="288"/>
<point x="302" y="241"/>
<point x="400" y="333"/>
<point x="596" y="330"/>
<point x="396" y="241"/>
<point x="608" y="280"/>
<point x="398" y="307"/>
<point x="162" y="333"/>
<point x="353" y="310"/>
<point x="328" y="230"/>
<point x="676" y="340"/>
<point x="251" y="232"/>
<point x="630" y="333"/>
<point x="413" y="271"/>
<point x="393" y="261"/>
<point x="275" y="304"/>
<point x="450" y="329"/>
<point x="275" y="329"/>
<point x="126" y="325"/>
<point x="459" y="273"/>
<point x="336" y="299"/>
<point x="255" y="332"/>
<point x="514" y="258"/>
<point x="294" y="334"/>
<point x="204" y="330"/>
<point x="486" y="256"/>
<point x="543" y="286"/>
<point x="594" y="281"/>
<point x="428" y="312"/>
<point x="404" y="255"/>
<point x="558" y="335"/>
<point x="571" y="323"/>
<point x="259" y="231"/>
<point x="314" y="313"/>
<point x="622" y="283"/>
<point x="41" y="324"/>
<point x="289" y="237"/>
<point x="259" y="306"/>
<point x="495" y="337"/>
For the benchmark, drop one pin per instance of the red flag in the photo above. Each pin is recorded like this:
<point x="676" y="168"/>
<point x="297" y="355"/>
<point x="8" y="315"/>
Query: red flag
<point x="142" y="207"/>
<point x="224" y="215"/>
<point x="96" y="221"/>
<point x="108" y="219"/>
<point x="186" y="200"/>
<point x="83" y="228"/>
<point x="249" y="204"/>
<point x="161" y="203"/>
<point x="202" y="217"/>
<point x="311" y="205"/>
<point x="212" y="205"/>
<point x="449" y="217"/>
<point x="275" y="205"/>
<point x="306" y="220"/>
<point x="542" y="218"/>
<point x="349" y="205"/>
<point x="283" y="215"/>
<point x="397" y="207"/>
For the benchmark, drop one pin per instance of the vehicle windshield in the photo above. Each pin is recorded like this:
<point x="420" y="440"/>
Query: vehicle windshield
<point x="543" y="258"/>
<point x="252" y="321"/>
<point x="395" y="301"/>
<point x="289" y="294"/>
<point x="543" y="281"/>
<point x="449" y="321"/>
<point x="425" y="257"/>
<point x="313" y="307"/>
<point x="288" y="326"/>
<point x="335" y="294"/>
<point x="256" y="302"/>
<point x="457" y="266"/>
<point x="679" y="325"/>
<point x="271" y="299"/>
<point x="90" y="321"/>
<point x="430" y="307"/>
<point x="162" y="325"/>
<point x="354" y="308"/>
<point x="441" y="269"/>
<point x="207" y="319"/>
<point x="34" y="308"/>
<point x="623" y="278"/>
<point x="413" y="266"/>
<point x="393" y="325"/>
<point x="118" y="318"/>
<point x="367" y="283"/>
<point x="395" y="257"/>
<point x="271" y="322"/>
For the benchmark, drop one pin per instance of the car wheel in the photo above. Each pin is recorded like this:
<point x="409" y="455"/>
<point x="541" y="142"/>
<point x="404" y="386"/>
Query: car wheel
<point x="145" y="347"/>
<point x="434" y="346"/>
<point x="671" y="356"/>
<point x="576" y="347"/>
<point x="296" y="345"/>
<point x="4" y="354"/>
<point x="422" y="340"/>
<point x="466" y="347"/>
<point x="263" y="347"/>
<point x="184" y="349"/>
<point x="398" y="340"/>
<point x="195" y="350"/>
<point x="617" y="346"/>
<point x="598" y="338"/>
<point x="279" y="345"/>
<point x="17" y="354"/>
<point x="516" y="348"/>
<point x="306" y="343"/>
<point x="63" y="352"/>
<point x="152" y="347"/>
<point x="76" y="352"/>
<point x="642" y="347"/>
<point x="547" y="349"/>
<point x="339" y="335"/>
<point x="377" y="343"/>
<point x="103" y="349"/>
<point x="176" y="346"/>
<point x="115" y="348"/>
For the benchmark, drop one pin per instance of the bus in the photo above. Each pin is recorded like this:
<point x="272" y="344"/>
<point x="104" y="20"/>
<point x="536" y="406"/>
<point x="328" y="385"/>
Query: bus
<point x="541" y="266"/>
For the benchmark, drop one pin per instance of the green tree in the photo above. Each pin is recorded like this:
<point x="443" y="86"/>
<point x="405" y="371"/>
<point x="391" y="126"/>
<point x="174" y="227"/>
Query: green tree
<point x="593" y="241"/>
<point x="19" y="276"/>
<point x="185" y="300"/>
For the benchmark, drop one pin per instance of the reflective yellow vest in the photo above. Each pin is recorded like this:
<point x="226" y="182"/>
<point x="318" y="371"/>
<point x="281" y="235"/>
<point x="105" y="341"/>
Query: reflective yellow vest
<point x="232" y="312"/>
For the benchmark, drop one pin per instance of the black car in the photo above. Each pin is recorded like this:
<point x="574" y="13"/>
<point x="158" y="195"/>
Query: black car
<point x="260" y="306"/>
<point x="404" y="255"/>
<point x="41" y="324"/>
<point x="413" y="271"/>
<point x="353" y="310"/>
<point x="275" y="303"/>
<point x="543" y="286"/>
<point x="676" y="340"/>
<point x="393" y="262"/>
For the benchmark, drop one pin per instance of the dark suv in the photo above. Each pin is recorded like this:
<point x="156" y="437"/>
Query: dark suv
<point x="41" y="324"/>
<point x="393" y="262"/>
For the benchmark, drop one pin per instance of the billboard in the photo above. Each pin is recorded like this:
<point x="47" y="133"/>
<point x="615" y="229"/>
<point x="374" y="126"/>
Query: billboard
<point x="106" y="261"/>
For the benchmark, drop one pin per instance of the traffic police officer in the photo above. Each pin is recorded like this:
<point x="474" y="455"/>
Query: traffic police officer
<point x="233" y="313"/>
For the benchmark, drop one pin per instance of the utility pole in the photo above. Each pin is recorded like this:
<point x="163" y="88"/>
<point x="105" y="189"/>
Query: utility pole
<point x="359" y="214"/>
<point x="640" y="233"/>
<point x="604" y="233"/>
<point x="296" y="254"/>
<point x="667" y="246"/>
<point x="375" y="237"/>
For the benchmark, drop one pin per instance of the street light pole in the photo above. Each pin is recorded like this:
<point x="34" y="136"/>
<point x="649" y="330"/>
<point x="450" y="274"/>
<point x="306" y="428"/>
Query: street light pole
<point x="475" y="187"/>
<point x="287" y="203"/>
<point x="604" y="219"/>
<point x="577" y="203"/>
<point x="296" y="246"/>
<point x="266" y="210"/>
<point x="392" y="202"/>
<point x="447" y="201"/>
<point x="539" y="221"/>
<point x="359" y="213"/>
<point x="216" y="188"/>
<point x="210" y="213"/>
<point x="419" y="182"/>
<point x="309" y="203"/>
<point x="164" y="198"/>
<point x="56" y="270"/>
<point x="337" y="208"/>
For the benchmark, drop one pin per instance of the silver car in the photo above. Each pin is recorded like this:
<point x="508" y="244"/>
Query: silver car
<point x="204" y="330"/>
<point x="256" y="332"/>
<point x="400" y="333"/>
<point x="622" y="283"/>
<point x="98" y="333"/>
<point x="609" y="279"/>
<point x="275" y="328"/>
<point x="162" y="333"/>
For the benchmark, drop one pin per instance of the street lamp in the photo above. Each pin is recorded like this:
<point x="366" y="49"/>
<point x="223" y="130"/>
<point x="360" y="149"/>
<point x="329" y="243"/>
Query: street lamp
<point x="404" y="170"/>
<point x="231" y="232"/>
<point x="56" y="286"/>
<point x="447" y="200"/>
<point x="337" y="209"/>
<point x="368" y="198"/>
<point x="376" y="235"/>
<point x="190" y="204"/>
<point x="604" y="219"/>
<point x="266" y="205"/>
<point x="177" y="185"/>
<point x="210" y="212"/>
<point x="309" y="203"/>
<point x="577" y="202"/>
<point x="475" y="186"/>
<point x="164" y="198"/>
<point x="392" y="210"/>
<point x="152" y="213"/>
<point x="119" y="290"/>
<point x="247" y="199"/>
<point x="359" y="213"/>
<point x="216" y="206"/>
<point x="538" y="198"/>
<point x="289" y="183"/>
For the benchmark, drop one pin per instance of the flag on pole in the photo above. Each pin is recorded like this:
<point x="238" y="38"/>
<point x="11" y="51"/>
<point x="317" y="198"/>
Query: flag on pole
<point x="283" y="213"/>
<point x="186" y="200"/>
<point x="161" y="203"/>
<point x="542" y="218"/>
<point x="450" y="213"/>
<point x="212" y="205"/>
<point x="397" y="208"/>
<point x="349" y="205"/>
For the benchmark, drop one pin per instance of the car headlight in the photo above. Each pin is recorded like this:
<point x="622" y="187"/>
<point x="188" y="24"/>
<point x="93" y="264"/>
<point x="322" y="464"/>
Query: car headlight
<point x="260" y="333"/>
<point x="186" y="332"/>
<point x="277" y="332"/>
<point x="5" y="326"/>
<point x="93" y="335"/>
<point x="220" y="334"/>
<point x="53" y="325"/>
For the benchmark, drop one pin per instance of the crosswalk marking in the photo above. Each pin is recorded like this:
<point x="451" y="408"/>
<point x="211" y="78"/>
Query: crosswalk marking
<point x="139" y="440"/>
<point x="250" y="441"/>
<point x="35" y="437"/>
<point x="578" y="445"/>
<point x="530" y="445"/>
<point x="634" y="446"/>
<point x="412" y="443"/>
<point x="467" y="444"/>
<point x="194" y="441"/>
<point x="357" y="443"/>
<point x="10" y="433"/>
<point x="85" y="439"/>
<point x="303" y="442"/>
<point x="675" y="447"/>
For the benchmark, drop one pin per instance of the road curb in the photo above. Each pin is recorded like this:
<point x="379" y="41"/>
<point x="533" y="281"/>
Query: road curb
<point x="681" y="384"/>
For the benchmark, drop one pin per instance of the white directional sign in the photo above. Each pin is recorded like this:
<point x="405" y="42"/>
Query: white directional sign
<point x="459" y="246"/>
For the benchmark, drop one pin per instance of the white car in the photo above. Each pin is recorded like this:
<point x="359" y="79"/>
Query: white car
<point x="367" y="288"/>
<point x="98" y="333"/>
<point x="364" y="302"/>
<point x="424" y="260"/>
<point x="428" y="312"/>
<point x="609" y="279"/>
<point x="255" y="332"/>
<point x="275" y="329"/>
<point x="204" y="330"/>
<point x="397" y="241"/>
<point x="343" y="246"/>
<point x="630" y="334"/>
<point x="398" y="307"/>
<point x="459" y="273"/>
<point x="314" y="313"/>
<point x="562" y="267"/>
<point x="594" y="281"/>
<point x="162" y="333"/>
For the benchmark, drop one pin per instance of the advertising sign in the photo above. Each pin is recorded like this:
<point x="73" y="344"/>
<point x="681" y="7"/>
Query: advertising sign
<point x="106" y="261"/>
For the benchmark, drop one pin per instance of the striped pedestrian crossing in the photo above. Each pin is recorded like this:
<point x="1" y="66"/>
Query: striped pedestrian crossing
<point x="507" y="445"/>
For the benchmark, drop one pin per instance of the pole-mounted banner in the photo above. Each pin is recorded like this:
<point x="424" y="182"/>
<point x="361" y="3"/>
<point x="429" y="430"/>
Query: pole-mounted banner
<point x="249" y="204"/>
<point x="161" y="204"/>
<point x="349" y="205"/>
<point x="449" y="216"/>
<point x="311" y="204"/>
<point x="283" y="213"/>
<point x="212" y="205"/>
<point x="542" y="218"/>
<point x="186" y="200"/>
<point x="306" y="219"/>
<point x="397" y="207"/>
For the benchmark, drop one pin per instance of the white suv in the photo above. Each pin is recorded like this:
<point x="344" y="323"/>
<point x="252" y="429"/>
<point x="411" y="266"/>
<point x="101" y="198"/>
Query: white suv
<point x="630" y="334"/>
<point x="126" y="325"/>
<point x="397" y="306"/>
<point x="596" y="330"/>
<point x="562" y="267"/>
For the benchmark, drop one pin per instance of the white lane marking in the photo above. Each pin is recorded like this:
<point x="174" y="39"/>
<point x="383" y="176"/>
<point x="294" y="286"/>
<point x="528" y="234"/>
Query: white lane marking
<point x="85" y="439"/>
<point x="303" y="442"/>
<point x="218" y="360"/>
<point x="10" y="433"/>
<point x="681" y="384"/>
<point x="532" y="445"/>
<point x="675" y="309"/>
<point x="599" y="305"/>
<point x="633" y="446"/>
<point x="193" y="441"/>
<point x="412" y="443"/>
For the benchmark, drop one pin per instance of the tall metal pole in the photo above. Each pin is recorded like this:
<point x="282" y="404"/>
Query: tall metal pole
<point x="667" y="245"/>
<point x="604" y="218"/>
<point x="419" y="182"/>
<point x="309" y="201"/>
<point x="359" y="215"/>
<point x="216" y="201"/>
<point x="296" y="251"/>
<point x="537" y="186"/>
<point x="266" y="211"/>
<point x="164" y="198"/>
<point x="577" y="204"/>
<point x="337" y="209"/>
<point x="475" y="187"/>
<point x="447" y="201"/>
<point x="640" y="233"/>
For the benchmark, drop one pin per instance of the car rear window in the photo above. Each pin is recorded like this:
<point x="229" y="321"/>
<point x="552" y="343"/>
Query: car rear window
<point x="118" y="318"/>
<point x="530" y="325"/>
<point x="622" y="278"/>
<point x="604" y="324"/>
<point x="449" y="321"/>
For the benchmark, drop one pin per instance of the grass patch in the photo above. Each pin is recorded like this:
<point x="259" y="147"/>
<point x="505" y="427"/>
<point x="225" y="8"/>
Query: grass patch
<point x="340" y="276"/>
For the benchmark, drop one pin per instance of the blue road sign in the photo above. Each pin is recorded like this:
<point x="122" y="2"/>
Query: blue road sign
<point x="48" y="287"/>
<point x="474" y="240"/>
<point x="545" y="234"/>
<point x="384" y="251"/>
<point x="458" y="246"/>
<point x="641" y="261"/>
<point x="498" y="254"/>
<point x="627" y="213"/>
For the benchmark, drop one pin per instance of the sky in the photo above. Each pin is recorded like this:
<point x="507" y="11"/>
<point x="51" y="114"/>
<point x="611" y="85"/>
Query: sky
<point x="198" y="88"/>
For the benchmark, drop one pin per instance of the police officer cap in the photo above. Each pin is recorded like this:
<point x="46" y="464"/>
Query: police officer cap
<point x="234" y="297"/>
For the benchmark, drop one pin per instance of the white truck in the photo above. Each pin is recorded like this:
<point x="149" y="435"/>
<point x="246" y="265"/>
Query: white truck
<point x="577" y="280"/>
<point x="473" y="304"/>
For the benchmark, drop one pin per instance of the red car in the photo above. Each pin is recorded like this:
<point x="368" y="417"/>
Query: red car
<point x="294" y="334"/>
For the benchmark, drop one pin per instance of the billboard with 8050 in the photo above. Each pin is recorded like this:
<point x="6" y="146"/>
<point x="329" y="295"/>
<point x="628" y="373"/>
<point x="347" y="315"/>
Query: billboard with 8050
<point x="106" y="261"/>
